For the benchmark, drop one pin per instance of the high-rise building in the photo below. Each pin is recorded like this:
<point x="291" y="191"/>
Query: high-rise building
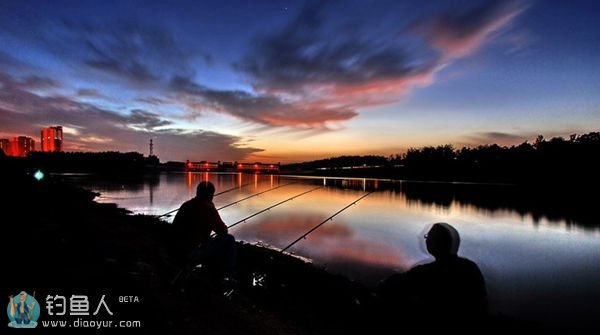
<point x="20" y="146"/>
<point x="52" y="139"/>
<point x="5" y="146"/>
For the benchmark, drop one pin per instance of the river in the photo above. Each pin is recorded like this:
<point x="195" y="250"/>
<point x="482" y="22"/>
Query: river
<point x="538" y="265"/>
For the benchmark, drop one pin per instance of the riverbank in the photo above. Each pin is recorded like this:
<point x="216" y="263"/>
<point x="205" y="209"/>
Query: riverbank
<point x="61" y="242"/>
<point x="64" y="243"/>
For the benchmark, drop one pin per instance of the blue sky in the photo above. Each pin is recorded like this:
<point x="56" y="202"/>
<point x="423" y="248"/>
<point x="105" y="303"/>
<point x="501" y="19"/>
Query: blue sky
<point x="294" y="80"/>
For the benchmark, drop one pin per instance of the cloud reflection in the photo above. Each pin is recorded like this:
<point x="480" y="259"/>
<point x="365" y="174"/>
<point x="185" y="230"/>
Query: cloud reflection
<point x="332" y="242"/>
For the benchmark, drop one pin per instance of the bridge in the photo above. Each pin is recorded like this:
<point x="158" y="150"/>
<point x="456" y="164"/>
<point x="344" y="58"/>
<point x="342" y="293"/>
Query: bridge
<point x="256" y="167"/>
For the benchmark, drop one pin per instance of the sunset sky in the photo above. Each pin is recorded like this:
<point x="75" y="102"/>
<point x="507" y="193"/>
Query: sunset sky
<point x="288" y="81"/>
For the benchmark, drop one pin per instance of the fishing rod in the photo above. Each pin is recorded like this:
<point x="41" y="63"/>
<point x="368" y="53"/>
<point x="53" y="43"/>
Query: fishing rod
<point x="251" y="216"/>
<point x="324" y="221"/>
<point x="233" y="188"/>
<point x="253" y="195"/>
<point x="227" y="190"/>
<point x="272" y="206"/>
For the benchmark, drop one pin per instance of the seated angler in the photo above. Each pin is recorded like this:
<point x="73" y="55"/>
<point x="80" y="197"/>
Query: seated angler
<point x="196" y="219"/>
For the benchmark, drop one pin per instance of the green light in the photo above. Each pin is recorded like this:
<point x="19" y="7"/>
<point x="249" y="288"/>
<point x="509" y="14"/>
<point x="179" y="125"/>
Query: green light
<point x="38" y="175"/>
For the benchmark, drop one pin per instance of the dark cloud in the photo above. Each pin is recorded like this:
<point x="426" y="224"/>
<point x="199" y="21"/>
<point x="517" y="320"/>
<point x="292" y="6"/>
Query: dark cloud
<point x="459" y="32"/>
<point x="495" y="137"/>
<point x="178" y="144"/>
<point x="304" y="53"/>
<point x="146" y="120"/>
<point x="262" y="108"/>
<point x="95" y="129"/>
<point x="139" y="52"/>
<point x="502" y="136"/>
<point x="38" y="82"/>
<point x="308" y="74"/>
<point x="31" y="82"/>
<point x="206" y="57"/>
<point x="334" y="73"/>
<point x="131" y="70"/>
<point x="29" y="108"/>
<point x="89" y="92"/>
<point x="149" y="55"/>
<point x="151" y="101"/>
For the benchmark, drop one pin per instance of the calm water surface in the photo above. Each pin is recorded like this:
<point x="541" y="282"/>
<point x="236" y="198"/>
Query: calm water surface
<point x="535" y="268"/>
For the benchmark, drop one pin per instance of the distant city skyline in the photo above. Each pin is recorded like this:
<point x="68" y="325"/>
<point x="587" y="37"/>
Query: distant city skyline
<point x="17" y="146"/>
<point x="297" y="81"/>
<point x="51" y="140"/>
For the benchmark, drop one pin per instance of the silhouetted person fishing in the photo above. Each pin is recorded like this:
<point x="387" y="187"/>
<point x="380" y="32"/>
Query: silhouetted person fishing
<point x="451" y="288"/>
<point x="193" y="244"/>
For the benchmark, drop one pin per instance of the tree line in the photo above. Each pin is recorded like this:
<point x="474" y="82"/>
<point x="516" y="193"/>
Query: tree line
<point x="106" y="162"/>
<point x="557" y="159"/>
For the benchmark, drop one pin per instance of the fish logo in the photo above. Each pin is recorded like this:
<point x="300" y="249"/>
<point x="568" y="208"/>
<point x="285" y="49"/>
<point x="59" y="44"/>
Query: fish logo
<point x="23" y="311"/>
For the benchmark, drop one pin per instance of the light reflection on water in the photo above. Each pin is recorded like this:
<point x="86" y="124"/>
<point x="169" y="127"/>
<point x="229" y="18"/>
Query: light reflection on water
<point x="535" y="268"/>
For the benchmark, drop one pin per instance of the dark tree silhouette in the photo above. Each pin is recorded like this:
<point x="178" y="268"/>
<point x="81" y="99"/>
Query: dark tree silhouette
<point x="562" y="161"/>
<point x="104" y="162"/>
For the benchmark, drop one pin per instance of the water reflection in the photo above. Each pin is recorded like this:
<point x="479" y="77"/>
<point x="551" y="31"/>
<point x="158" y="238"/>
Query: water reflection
<point x="540" y="204"/>
<point x="331" y="242"/>
<point x="539" y="250"/>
